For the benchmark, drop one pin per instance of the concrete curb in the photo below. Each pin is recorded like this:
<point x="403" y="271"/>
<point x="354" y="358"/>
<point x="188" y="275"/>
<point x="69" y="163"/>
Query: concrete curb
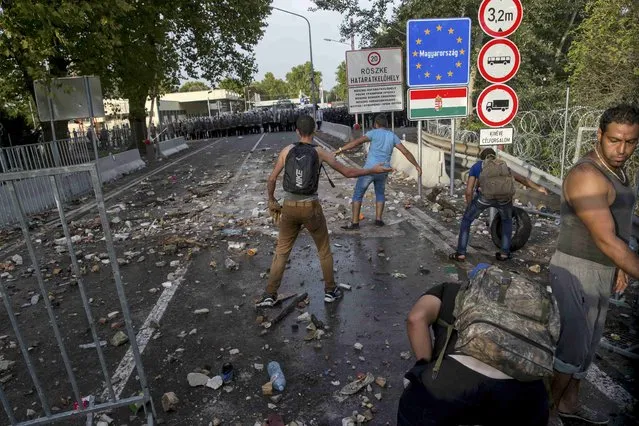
<point x="114" y="166"/>
<point x="338" y="131"/>
<point x="172" y="146"/>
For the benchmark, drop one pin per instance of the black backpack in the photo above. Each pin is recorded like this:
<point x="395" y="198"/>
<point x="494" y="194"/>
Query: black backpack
<point x="302" y="170"/>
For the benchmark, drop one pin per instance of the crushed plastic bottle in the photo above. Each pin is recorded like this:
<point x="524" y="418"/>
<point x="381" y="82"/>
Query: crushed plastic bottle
<point x="277" y="376"/>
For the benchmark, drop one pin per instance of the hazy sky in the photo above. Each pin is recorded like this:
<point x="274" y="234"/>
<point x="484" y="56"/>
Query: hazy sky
<point x="285" y="41"/>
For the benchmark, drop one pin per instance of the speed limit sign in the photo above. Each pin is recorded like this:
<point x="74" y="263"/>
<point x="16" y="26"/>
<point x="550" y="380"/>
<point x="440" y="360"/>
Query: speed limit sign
<point x="500" y="18"/>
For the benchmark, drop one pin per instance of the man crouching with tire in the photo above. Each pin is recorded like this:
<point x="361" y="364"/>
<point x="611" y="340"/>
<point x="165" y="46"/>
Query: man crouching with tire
<point x="490" y="184"/>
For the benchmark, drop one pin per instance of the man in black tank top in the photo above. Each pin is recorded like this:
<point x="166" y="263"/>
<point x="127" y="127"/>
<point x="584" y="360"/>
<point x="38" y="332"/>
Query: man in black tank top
<point x="592" y="256"/>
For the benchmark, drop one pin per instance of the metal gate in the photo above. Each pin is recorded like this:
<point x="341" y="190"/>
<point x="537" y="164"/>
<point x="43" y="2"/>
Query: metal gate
<point x="74" y="366"/>
<point x="34" y="193"/>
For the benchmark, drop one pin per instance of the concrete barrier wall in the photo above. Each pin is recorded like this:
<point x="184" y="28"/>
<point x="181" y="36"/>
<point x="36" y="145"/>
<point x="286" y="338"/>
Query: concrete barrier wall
<point x="114" y="166"/>
<point x="433" y="164"/>
<point x="172" y="146"/>
<point x="338" y="131"/>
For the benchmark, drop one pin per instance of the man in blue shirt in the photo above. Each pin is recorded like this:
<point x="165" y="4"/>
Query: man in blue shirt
<point x="476" y="202"/>
<point x="380" y="151"/>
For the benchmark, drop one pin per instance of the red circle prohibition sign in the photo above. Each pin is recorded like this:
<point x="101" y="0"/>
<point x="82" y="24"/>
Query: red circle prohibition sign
<point x="516" y="60"/>
<point x="379" y="59"/>
<point x="504" y="32"/>
<point x="482" y="97"/>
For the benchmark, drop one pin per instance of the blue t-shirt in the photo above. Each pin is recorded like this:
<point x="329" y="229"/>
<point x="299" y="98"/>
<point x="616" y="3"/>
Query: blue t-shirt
<point x="475" y="170"/>
<point x="382" y="143"/>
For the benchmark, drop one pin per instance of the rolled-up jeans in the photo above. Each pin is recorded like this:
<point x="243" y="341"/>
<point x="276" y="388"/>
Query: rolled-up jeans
<point x="474" y="209"/>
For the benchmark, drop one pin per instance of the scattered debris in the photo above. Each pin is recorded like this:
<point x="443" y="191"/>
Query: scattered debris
<point x="169" y="401"/>
<point x="119" y="339"/>
<point x="197" y="379"/>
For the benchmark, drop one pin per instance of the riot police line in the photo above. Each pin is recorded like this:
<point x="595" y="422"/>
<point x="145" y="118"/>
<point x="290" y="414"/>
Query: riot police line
<point x="229" y="124"/>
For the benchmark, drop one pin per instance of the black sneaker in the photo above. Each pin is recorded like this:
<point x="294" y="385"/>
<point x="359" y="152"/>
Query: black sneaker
<point x="267" y="300"/>
<point x="332" y="296"/>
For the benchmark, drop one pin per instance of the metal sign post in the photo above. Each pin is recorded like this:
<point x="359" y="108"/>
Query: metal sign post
<point x="452" y="156"/>
<point x="419" y="152"/>
<point x="87" y="89"/>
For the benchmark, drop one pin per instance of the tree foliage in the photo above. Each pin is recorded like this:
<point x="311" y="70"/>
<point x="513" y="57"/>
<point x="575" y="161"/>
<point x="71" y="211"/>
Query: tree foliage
<point x="138" y="48"/>
<point x="193" y="86"/>
<point x="299" y="81"/>
<point x="271" y="87"/>
<point x="233" y="85"/>
<point x="543" y="39"/>
<point x="604" y="58"/>
<point x="341" y="88"/>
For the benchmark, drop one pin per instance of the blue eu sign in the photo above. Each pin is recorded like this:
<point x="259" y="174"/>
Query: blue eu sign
<point x="438" y="52"/>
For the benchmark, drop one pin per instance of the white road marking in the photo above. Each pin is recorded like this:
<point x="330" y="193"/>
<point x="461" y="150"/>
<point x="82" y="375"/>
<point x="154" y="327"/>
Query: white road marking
<point x="599" y="379"/>
<point x="606" y="385"/>
<point x="127" y="364"/>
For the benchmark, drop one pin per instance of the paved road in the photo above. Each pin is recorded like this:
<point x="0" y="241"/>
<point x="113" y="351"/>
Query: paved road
<point x="173" y="203"/>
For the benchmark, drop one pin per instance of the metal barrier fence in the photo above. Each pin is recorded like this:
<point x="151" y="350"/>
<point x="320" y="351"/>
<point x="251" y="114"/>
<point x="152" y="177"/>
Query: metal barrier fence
<point x="35" y="192"/>
<point x="22" y="331"/>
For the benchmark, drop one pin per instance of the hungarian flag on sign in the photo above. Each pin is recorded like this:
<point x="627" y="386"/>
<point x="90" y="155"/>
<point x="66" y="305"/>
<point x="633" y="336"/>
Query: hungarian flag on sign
<point x="438" y="103"/>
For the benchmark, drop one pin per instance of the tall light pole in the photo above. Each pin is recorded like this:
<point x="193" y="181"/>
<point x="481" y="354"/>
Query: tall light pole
<point x="310" y="45"/>
<point x="208" y="104"/>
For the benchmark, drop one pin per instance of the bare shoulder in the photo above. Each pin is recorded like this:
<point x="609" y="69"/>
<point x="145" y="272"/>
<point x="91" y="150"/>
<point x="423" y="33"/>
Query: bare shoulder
<point x="586" y="179"/>
<point x="323" y="154"/>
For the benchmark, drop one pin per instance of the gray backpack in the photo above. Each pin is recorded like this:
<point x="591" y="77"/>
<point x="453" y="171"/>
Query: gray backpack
<point x="495" y="180"/>
<point x="506" y="321"/>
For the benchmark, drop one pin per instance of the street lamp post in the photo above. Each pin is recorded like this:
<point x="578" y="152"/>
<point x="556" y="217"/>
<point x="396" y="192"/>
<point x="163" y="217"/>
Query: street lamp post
<point x="310" y="45"/>
<point x="208" y="104"/>
<point x="335" y="41"/>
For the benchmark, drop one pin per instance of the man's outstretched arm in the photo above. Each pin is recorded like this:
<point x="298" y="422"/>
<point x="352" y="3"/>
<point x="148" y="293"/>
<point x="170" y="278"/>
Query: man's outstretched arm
<point x="529" y="183"/>
<point x="410" y="157"/>
<point x="350" y="172"/>
<point x="353" y="144"/>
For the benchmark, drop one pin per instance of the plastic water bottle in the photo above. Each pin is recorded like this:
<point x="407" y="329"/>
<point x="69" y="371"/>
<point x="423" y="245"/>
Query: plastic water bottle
<point x="277" y="376"/>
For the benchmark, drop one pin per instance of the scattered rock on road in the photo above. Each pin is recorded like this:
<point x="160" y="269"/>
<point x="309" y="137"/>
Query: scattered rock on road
<point x="197" y="379"/>
<point x="119" y="339"/>
<point x="170" y="401"/>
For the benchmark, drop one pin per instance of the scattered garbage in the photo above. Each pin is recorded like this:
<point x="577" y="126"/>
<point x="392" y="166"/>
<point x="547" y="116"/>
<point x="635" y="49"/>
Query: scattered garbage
<point x="277" y="375"/>
<point x="231" y="265"/>
<point x="227" y="372"/>
<point x="355" y="386"/>
<point x="398" y="275"/>
<point x="535" y="268"/>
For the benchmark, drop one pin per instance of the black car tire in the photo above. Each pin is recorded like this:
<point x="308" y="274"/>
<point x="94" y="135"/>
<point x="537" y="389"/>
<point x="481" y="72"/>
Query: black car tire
<point x="522" y="228"/>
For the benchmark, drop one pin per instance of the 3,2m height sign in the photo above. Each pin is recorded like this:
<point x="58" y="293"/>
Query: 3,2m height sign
<point x="500" y="18"/>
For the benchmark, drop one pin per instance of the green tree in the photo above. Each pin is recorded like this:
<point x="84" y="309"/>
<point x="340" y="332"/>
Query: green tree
<point x="272" y="88"/>
<point x="56" y="38"/>
<point x="193" y="86"/>
<point x="340" y="90"/>
<point x="299" y="80"/>
<point x="604" y="58"/>
<point x="233" y="85"/>
<point x="138" y="49"/>
<point x="543" y="39"/>
<point x="204" y="39"/>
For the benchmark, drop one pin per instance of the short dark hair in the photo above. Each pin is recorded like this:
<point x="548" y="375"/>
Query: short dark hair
<point x="305" y="125"/>
<point x="488" y="152"/>
<point x="622" y="114"/>
<point x="381" y="121"/>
